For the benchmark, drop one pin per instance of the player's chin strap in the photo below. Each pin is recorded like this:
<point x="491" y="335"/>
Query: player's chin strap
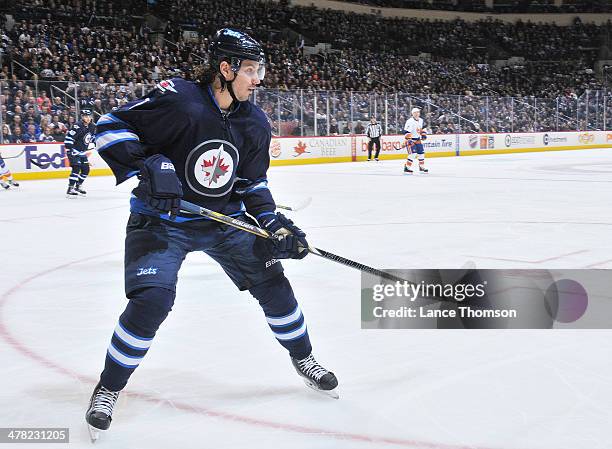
<point x="230" y="89"/>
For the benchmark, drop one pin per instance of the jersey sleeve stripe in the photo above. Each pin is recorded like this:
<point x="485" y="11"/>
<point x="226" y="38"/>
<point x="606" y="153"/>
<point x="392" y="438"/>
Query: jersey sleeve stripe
<point x="110" y="138"/>
<point x="107" y="119"/>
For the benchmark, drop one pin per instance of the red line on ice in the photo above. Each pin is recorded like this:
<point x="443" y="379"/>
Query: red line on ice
<point x="24" y="350"/>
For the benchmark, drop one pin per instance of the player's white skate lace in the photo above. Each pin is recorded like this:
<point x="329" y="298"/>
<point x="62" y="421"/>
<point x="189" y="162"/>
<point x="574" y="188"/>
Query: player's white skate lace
<point x="104" y="401"/>
<point x="311" y="368"/>
<point x="316" y="377"/>
<point x="100" y="411"/>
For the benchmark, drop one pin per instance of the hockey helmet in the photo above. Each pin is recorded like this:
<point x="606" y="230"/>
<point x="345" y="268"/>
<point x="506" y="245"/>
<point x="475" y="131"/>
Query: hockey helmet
<point x="235" y="46"/>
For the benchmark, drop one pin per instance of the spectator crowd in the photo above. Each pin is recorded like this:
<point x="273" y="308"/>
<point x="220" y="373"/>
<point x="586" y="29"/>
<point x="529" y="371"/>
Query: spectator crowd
<point x="498" y="6"/>
<point x="62" y="55"/>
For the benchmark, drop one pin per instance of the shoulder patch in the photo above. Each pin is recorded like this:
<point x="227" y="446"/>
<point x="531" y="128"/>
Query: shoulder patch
<point x="166" y="85"/>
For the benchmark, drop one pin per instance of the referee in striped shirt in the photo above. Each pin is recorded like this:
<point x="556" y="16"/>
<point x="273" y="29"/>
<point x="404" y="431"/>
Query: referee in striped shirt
<point x="373" y="132"/>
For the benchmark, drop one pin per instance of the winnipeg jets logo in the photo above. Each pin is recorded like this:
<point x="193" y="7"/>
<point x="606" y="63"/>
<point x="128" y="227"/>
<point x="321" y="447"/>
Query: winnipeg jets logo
<point x="215" y="168"/>
<point x="211" y="167"/>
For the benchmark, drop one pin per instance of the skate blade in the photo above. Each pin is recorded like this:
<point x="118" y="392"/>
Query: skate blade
<point x="331" y="393"/>
<point x="71" y="197"/>
<point x="94" y="433"/>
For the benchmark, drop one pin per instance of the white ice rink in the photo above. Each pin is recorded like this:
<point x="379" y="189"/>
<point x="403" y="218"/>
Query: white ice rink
<point x="216" y="378"/>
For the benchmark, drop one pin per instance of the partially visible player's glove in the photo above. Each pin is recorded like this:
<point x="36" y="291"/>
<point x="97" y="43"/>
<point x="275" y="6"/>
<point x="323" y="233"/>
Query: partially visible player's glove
<point x="159" y="186"/>
<point x="290" y="242"/>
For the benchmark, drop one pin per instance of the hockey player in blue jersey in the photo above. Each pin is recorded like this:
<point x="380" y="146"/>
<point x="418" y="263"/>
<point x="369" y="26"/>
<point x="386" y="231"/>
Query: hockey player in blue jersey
<point x="205" y="142"/>
<point x="78" y="141"/>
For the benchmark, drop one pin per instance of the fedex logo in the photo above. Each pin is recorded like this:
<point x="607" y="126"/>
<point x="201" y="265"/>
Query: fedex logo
<point x="44" y="160"/>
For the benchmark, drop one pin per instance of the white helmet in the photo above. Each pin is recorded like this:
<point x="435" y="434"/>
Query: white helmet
<point x="415" y="110"/>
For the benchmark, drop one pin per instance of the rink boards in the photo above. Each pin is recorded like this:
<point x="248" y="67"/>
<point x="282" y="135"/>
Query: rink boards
<point x="48" y="160"/>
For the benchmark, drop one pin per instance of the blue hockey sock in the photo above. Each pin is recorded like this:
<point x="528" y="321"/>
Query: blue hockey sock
<point x="133" y="335"/>
<point x="284" y="315"/>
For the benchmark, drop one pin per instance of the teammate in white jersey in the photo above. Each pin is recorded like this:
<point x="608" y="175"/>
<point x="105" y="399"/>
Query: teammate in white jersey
<point x="415" y="134"/>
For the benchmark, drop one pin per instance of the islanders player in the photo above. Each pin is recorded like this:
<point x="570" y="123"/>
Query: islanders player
<point x="6" y="178"/>
<point x="415" y="134"/>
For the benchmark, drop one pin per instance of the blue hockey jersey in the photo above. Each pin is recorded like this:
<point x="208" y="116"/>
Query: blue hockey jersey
<point x="79" y="138"/>
<point x="220" y="158"/>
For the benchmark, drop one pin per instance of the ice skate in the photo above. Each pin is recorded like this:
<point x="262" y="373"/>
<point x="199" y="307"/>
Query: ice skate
<point x="80" y="191"/>
<point x="316" y="377"/>
<point x="4" y="185"/>
<point x="407" y="170"/>
<point x="100" y="411"/>
<point x="423" y="169"/>
<point x="71" y="193"/>
<point x="13" y="183"/>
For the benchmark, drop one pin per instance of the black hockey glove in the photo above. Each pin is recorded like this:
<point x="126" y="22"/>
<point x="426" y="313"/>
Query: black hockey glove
<point x="159" y="186"/>
<point x="290" y="241"/>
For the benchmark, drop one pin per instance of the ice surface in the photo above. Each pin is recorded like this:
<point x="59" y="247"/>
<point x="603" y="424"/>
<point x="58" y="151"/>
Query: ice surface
<point x="216" y="378"/>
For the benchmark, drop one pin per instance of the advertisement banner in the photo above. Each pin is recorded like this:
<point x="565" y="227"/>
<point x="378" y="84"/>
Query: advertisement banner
<point x="542" y="141"/>
<point x="310" y="149"/>
<point x="44" y="160"/>
<point x="48" y="160"/>
<point x="438" y="143"/>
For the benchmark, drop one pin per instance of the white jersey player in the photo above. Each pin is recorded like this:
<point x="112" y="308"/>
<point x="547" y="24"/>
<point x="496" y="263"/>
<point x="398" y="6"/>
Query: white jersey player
<point x="415" y="134"/>
<point x="6" y="178"/>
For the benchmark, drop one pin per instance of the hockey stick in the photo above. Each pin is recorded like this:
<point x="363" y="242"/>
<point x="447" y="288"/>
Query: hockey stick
<point x="32" y="161"/>
<point x="300" y="206"/>
<point x="259" y="232"/>
<point x="13" y="157"/>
